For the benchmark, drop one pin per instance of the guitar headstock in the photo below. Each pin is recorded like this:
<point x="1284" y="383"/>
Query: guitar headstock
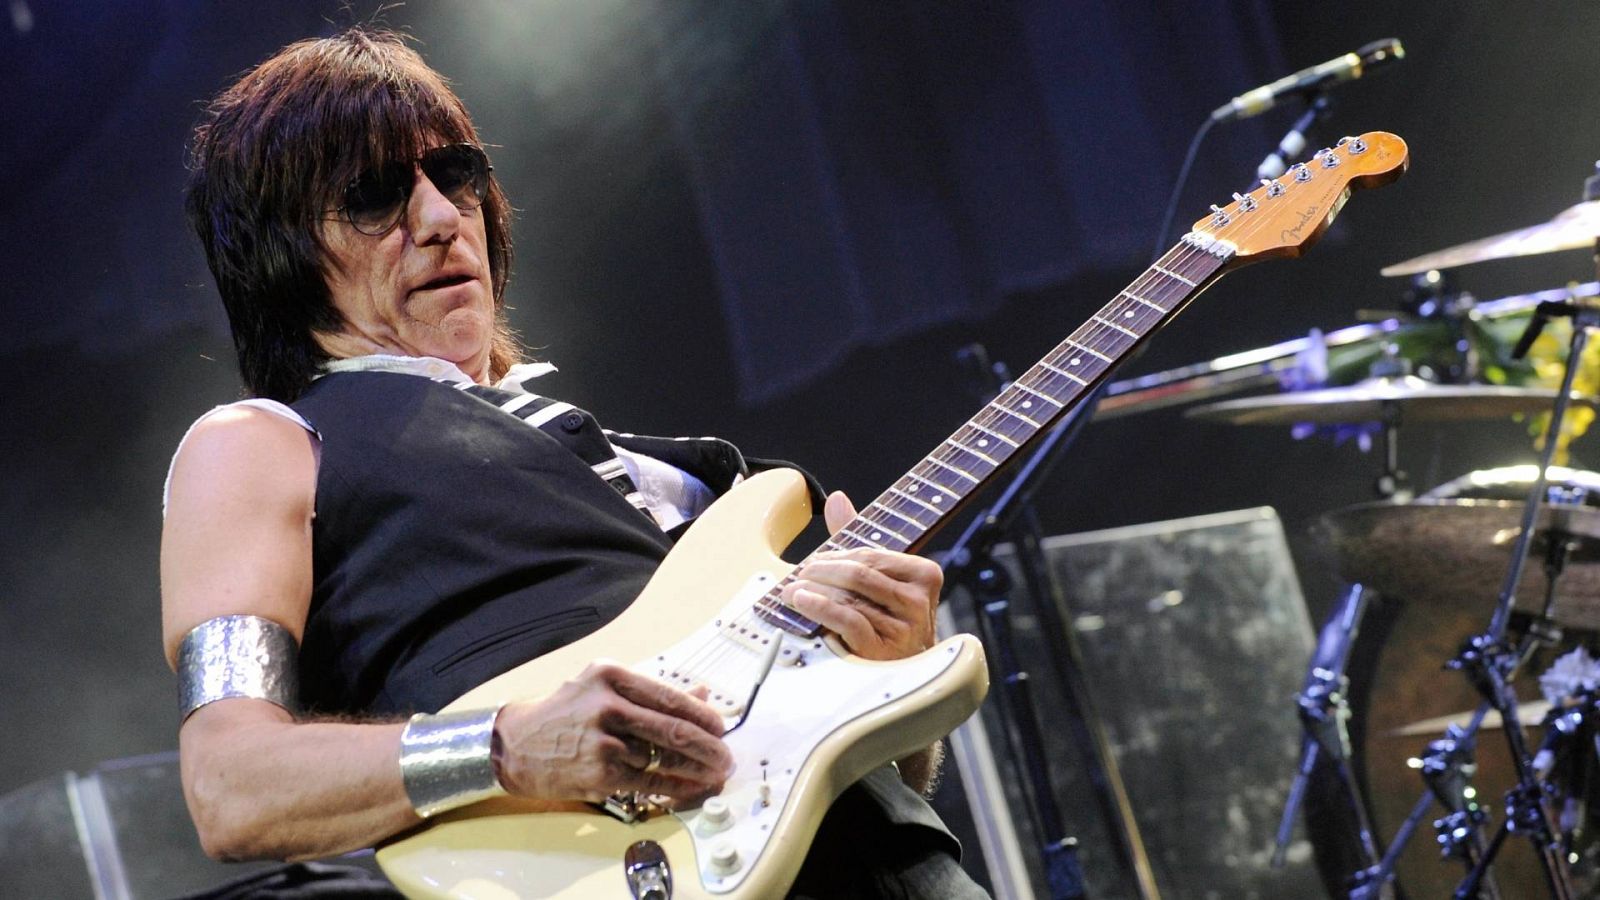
<point x="1285" y="216"/>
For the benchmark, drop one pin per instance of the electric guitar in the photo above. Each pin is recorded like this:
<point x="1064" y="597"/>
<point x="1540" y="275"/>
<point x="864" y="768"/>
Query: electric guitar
<point x="813" y="718"/>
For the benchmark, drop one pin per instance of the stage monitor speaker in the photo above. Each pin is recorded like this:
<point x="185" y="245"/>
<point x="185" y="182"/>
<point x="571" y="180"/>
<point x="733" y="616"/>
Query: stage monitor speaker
<point x="1195" y="638"/>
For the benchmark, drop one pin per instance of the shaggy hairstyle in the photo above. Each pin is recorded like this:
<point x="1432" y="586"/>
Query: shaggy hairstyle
<point x="270" y="161"/>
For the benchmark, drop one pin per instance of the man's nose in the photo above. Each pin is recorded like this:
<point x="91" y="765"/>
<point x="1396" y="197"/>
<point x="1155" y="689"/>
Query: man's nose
<point x="434" y="218"/>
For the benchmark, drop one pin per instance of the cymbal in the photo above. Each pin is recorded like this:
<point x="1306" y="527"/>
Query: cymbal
<point x="1575" y="227"/>
<point x="1458" y="551"/>
<point x="1414" y="399"/>
<point x="1530" y="713"/>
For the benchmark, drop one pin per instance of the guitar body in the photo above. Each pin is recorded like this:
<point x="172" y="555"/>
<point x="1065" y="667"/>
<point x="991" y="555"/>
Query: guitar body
<point x="821" y="720"/>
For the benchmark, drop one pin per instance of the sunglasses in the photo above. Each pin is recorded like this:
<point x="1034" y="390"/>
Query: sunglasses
<point x="375" y="200"/>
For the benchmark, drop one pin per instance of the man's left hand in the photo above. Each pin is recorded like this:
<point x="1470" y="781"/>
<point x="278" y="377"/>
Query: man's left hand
<point x="879" y="602"/>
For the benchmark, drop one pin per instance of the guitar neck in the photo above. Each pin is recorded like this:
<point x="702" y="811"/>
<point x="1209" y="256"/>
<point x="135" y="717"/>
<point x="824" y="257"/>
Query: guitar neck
<point x="906" y="515"/>
<point x="1281" y="218"/>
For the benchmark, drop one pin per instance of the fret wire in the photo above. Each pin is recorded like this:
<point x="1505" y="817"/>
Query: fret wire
<point x="887" y="510"/>
<point x="1072" y="342"/>
<point x="1112" y="324"/>
<point x="1022" y="385"/>
<point x="975" y="451"/>
<point x="1115" y="342"/>
<point x="1171" y="274"/>
<point x="976" y="423"/>
<point x="944" y="465"/>
<point x="1154" y="306"/>
<point x="940" y="490"/>
<point x="1009" y="429"/>
<point x="1062" y="372"/>
<point x="1028" y="421"/>
<point x="880" y="543"/>
<point x="952" y="446"/>
<point x="911" y="498"/>
<point x="921" y="518"/>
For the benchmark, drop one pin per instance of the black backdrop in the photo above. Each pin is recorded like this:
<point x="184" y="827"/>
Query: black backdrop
<point x="770" y="221"/>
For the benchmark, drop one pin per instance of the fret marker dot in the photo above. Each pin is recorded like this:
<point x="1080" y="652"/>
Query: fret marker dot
<point x="937" y="497"/>
<point x="911" y="488"/>
<point x="983" y="442"/>
<point x="1027" y="404"/>
<point x="1076" y="361"/>
<point x="877" y="535"/>
<point x="1128" y="314"/>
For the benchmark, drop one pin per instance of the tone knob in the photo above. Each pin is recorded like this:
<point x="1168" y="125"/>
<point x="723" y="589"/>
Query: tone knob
<point x="725" y="858"/>
<point x="715" y="815"/>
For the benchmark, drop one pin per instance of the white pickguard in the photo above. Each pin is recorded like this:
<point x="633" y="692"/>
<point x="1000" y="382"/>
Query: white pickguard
<point x="811" y="691"/>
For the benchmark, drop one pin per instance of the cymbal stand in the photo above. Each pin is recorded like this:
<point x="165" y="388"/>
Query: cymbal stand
<point x="1324" y="712"/>
<point x="1491" y="664"/>
<point x="970" y="562"/>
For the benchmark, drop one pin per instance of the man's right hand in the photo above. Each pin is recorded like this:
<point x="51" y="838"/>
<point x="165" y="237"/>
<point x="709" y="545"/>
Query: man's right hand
<point x="592" y="738"/>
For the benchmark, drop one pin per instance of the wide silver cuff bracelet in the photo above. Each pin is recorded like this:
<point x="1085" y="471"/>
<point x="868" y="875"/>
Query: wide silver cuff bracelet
<point x="237" y="656"/>
<point x="446" y="760"/>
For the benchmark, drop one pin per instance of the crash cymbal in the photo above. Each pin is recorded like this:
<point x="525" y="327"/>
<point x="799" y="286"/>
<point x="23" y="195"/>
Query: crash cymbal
<point x="1575" y="227"/>
<point x="1457" y="551"/>
<point x="1412" y="398"/>
<point x="1531" y="713"/>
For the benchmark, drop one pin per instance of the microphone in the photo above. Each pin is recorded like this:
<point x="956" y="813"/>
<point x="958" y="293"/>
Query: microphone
<point x="1344" y="68"/>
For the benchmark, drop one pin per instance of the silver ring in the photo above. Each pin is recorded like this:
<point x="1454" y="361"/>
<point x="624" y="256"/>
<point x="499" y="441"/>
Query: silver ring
<point x="655" y="760"/>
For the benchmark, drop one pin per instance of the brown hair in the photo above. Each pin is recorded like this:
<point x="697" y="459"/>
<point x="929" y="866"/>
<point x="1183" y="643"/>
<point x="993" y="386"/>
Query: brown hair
<point x="271" y="158"/>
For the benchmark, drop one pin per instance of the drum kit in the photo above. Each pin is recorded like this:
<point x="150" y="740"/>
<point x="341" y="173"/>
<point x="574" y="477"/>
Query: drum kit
<point x="1456" y="598"/>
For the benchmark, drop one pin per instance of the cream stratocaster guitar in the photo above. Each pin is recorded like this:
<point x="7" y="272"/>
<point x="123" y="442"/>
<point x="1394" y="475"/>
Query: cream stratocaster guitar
<point x="814" y="717"/>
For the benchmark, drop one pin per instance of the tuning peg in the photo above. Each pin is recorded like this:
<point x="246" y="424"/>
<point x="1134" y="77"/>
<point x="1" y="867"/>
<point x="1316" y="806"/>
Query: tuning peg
<point x="1246" y="202"/>
<point x="1219" y="216"/>
<point x="1274" y="187"/>
<point x="1327" y="157"/>
<point x="1301" y="172"/>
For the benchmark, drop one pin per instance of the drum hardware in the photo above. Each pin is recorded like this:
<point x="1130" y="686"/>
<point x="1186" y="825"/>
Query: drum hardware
<point x="1491" y="662"/>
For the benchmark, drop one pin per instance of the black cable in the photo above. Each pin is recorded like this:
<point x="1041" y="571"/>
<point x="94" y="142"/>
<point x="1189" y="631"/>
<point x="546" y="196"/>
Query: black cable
<point x="1177" y="189"/>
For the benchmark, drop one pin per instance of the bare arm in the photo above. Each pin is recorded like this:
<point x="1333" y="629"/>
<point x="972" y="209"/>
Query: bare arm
<point x="237" y="540"/>
<point x="261" y="784"/>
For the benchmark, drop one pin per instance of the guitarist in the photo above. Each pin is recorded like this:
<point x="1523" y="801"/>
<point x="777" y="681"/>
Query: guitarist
<point x="393" y="517"/>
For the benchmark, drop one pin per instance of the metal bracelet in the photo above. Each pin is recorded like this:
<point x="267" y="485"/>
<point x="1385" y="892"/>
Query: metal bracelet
<point x="446" y="760"/>
<point x="237" y="656"/>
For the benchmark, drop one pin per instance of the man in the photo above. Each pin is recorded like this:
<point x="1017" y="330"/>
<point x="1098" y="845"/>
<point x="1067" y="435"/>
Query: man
<point x="382" y="526"/>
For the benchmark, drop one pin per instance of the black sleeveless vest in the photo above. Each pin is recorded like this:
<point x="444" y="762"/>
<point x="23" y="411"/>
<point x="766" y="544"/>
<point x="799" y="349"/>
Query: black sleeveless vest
<point x="453" y="542"/>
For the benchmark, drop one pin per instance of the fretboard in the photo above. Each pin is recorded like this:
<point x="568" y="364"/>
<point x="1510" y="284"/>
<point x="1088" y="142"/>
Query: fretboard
<point x="903" y="517"/>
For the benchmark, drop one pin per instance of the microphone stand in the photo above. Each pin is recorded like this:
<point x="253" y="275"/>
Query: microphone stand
<point x="1294" y="142"/>
<point x="970" y="562"/>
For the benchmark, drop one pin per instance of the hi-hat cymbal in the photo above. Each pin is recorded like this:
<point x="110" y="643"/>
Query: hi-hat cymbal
<point x="1577" y="226"/>
<point x="1458" y="551"/>
<point x="1411" y="398"/>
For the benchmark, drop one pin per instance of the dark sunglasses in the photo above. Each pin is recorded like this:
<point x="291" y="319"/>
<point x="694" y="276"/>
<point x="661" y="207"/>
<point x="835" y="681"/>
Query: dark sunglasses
<point x="375" y="200"/>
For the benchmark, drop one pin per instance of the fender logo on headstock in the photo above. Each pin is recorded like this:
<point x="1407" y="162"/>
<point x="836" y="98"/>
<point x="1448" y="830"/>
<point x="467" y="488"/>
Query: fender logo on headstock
<point x="1293" y="234"/>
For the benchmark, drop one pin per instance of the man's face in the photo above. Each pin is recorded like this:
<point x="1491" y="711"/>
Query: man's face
<point x="422" y="288"/>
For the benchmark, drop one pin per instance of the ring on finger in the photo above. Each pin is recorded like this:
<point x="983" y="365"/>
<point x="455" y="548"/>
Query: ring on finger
<point x="654" y="762"/>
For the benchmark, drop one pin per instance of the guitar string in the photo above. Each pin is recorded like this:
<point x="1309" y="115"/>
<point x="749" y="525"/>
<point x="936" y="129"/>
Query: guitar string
<point x="1153" y="286"/>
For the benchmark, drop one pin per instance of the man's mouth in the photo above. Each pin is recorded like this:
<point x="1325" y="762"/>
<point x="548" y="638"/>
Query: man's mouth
<point x="445" y="281"/>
